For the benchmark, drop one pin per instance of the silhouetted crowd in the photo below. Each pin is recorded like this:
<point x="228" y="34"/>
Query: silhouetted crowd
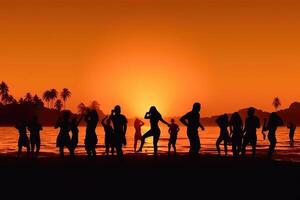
<point x="233" y="131"/>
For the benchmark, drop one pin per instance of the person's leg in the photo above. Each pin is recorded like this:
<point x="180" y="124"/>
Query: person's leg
<point x="244" y="145"/>
<point x="135" y="143"/>
<point x="197" y="144"/>
<point x="107" y="144"/>
<point x="225" y="145"/>
<point x="32" y="146"/>
<point x="174" y="147"/>
<point x="234" y="146"/>
<point x="218" y="142"/>
<point x="19" y="151"/>
<point x="38" y="145"/>
<point x="155" y="141"/>
<point x="61" y="151"/>
<point x="253" y="144"/>
<point x="272" y="146"/>
<point x="169" y="146"/>
<point x="146" y="135"/>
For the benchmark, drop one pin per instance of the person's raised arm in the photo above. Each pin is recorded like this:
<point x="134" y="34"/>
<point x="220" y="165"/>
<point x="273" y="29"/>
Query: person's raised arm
<point x="183" y="120"/>
<point x="163" y="121"/>
<point x="201" y="126"/>
<point x="147" y="115"/>
<point x="142" y="123"/>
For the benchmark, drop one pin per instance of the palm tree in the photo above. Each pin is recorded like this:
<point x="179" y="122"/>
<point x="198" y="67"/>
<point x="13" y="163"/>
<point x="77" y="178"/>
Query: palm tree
<point x="81" y="108"/>
<point x="65" y="94"/>
<point x="47" y="97"/>
<point x="4" y="92"/>
<point x="28" y="97"/>
<point x="53" y="96"/>
<point x="276" y="103"/>
<point x="37" y="101"/>
<point x="9" y="99"/>
<point x="58" y="105"/>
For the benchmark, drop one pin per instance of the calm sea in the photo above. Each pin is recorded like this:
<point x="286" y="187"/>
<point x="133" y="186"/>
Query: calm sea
<point x="9" y="138"/>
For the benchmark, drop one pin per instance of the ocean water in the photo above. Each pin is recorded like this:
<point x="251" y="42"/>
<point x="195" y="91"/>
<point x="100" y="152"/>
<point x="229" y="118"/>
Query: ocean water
<point x="9" y="139"/>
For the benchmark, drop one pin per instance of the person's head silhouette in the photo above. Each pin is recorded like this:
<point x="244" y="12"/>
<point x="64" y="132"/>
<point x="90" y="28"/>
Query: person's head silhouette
<point x="153" y="110"/>
<point x="251" y="111"/>
<point x="172" y="121"/>
<point x="196" y="107"/>
<point x="117" y="109"/>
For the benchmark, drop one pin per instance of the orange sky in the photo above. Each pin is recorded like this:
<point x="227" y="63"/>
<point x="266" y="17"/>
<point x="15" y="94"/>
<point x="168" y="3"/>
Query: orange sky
<point x="225" y="54"/>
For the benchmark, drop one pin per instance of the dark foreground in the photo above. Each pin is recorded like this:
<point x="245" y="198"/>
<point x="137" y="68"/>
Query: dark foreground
<point x="142" y="177"/>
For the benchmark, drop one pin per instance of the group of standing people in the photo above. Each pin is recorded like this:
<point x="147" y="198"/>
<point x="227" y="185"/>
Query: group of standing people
<point x="33" y="143"/>
<point x="239" y="135"/>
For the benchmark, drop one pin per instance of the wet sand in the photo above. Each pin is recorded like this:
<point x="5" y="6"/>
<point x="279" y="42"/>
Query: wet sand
<point x="137" y="176"/>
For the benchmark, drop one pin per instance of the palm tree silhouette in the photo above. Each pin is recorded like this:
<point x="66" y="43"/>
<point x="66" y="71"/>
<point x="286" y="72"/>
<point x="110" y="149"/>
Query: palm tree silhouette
<point x="47" y="97"/>
<point x="53" y="96"/>
<point x="37" y="101"/>
<point x="65" y="94"/>
<point x="4" y="92"/>
<point x="28" y="97"/>
<point x="276" y="103"/>
<point x="58" y="105"/>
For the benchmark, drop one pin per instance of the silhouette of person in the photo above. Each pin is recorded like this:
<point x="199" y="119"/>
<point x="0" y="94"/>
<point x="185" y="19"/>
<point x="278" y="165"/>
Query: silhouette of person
<point x="173" y="131"/>
<point x="192" y="121"/>
<point x="252" y="123"/>
<point x="91" y="118"/>
<point x="74" y="130"/>
<point x="292" y="127"/>
<point x="223" y="123"/>
<point x="63" y="139"/>
<point x="109" y="135"/>
<point x="23" y="140"/>
<point x="120" y="127"/>
<point x="154" y="116"/>
<point x="34" y="128"/>
<point x="138" y="132"/>
<point x="272" y="125"/>
<point x="236" y="131"/>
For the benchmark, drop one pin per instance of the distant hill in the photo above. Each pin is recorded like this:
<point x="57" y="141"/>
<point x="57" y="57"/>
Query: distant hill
<point x="291" y="114"/>
<point x="10" y="113"/>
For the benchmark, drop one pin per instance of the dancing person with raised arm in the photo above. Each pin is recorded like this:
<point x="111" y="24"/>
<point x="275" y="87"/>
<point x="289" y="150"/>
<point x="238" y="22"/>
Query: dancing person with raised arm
<point x="173" y="131"/>
<point x="138" y="132"/>
<point x="223" y="123"/>
<point x="120" y="127"/>
<point x="154" y="116"/>
<point x="292" y="127"/>
<point x="23" y="140"/>
<point x="34" y="128"/>
<point x="271" y="126"/>
<point x="252" y="123"/>
<point x="74" y="130"/>
<point x="192" y="121"/>
<point x="63" y="138"/>
<point x="91" y="118"/>
<point x="109" y="131"/>
<point x="236" y="132"/>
